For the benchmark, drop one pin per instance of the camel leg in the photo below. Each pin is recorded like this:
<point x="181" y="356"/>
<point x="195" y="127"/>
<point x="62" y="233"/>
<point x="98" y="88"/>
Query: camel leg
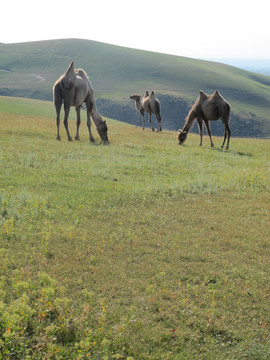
<point x="159" y="128"/>
<point x="227" y="135"/>
<point x="143" y="121"/>
<point x="58" y="105"/>
<point x="209" y="132"/>
<point x="78" y="111"/>
<point x="91" y="138"/>
<point x="67" y="109"/>
<point x="58" y="121"/>
<point x="89" y="107"/>
<point x="150" y="121"/>
<point x="200" y="130"/>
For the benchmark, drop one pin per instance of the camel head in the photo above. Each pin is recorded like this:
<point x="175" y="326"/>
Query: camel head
<point x="103" y="130"/>
<point x="135" y="97"/>
<point x="182" y="135"/>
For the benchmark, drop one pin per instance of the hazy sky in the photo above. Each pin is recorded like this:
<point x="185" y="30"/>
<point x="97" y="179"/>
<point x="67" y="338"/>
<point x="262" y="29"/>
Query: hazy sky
<point x="192" y="28"/>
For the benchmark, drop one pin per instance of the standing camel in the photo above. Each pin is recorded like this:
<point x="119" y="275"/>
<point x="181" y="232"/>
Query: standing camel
<point x="138" y="105"/>
<point x="151" y="105"/>
<point x="73" y="88"/>
<point x="205" y="109"/>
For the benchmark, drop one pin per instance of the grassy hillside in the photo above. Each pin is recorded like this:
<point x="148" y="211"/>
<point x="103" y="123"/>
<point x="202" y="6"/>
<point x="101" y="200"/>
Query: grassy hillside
<point x="22" y="106"/>
<point x="138" y="250"/>
<point x="40" y="108"/>
<point x="117" y="72"/>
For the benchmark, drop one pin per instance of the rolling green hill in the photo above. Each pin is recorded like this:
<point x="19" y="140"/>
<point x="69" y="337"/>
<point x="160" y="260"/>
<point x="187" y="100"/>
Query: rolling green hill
<point x="30" y="69"/>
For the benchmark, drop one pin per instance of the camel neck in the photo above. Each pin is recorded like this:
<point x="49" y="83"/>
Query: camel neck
<point x="189" y="121"/>
<point x="138" y="104"/>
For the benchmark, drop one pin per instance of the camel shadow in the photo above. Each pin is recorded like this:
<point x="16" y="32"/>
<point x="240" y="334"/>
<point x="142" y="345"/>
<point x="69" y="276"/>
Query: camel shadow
<point x="240" y="153"/>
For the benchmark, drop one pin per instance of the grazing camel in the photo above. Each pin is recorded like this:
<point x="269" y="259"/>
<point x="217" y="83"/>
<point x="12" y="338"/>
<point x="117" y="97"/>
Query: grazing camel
<point x="205" y="109"/>
<point x="151" y="105"/>
<point x="73" y="88"/>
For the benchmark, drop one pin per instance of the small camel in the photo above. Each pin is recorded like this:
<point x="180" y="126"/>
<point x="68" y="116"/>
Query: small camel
<point x="73" y="88"/>
<point x="205" y="109"/>
<point x="149" y="104"/>
<point x="138" y="106"/>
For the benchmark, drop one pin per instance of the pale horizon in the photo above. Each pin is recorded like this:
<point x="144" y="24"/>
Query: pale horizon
<point x="229" y="58"/>
<point x="195" y="29"/>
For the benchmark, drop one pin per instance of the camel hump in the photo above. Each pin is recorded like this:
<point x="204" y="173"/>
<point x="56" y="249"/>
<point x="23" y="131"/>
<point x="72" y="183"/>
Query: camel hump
<point x="217" y="95"/>
<point x="153" y="99"/>
<point x="146" y="94"/>
<point x="152" y="95"/>
<point x="202" y="95"/>
<point x="70" y="69"/>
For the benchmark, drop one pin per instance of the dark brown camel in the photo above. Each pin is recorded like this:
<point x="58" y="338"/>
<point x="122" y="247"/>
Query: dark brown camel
<point x="73" y="88"/>
<point x="205" y="109"/>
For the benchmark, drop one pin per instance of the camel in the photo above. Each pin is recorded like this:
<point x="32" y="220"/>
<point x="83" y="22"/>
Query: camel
<point x="138" y="106"/>
<point x="149" y="104"/>
<point x="205" y="109"/>
<point x="73" y="88"/>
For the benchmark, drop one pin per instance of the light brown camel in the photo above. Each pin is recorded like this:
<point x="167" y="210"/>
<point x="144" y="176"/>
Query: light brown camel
<point x="151" y="105"/>
<point x="73" y="88"/>
<point x="138" y="106"/>
<point x="205" y="109"/>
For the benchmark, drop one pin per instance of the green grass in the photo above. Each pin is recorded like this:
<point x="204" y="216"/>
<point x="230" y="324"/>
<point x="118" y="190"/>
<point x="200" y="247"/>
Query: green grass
<point x="11" y="105"/>
<point x="138" y="250"/>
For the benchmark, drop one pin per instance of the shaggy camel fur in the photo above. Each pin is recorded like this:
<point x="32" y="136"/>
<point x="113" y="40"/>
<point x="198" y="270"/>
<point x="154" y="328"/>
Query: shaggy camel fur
<point x="151" y="105"/>
<point x="74" y="88"/>
<point x="205" y="109"/>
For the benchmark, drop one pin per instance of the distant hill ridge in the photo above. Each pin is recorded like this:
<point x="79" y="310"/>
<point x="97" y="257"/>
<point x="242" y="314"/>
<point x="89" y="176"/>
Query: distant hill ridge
<point x="261" y="66"/>
<point x="30" y="70"/>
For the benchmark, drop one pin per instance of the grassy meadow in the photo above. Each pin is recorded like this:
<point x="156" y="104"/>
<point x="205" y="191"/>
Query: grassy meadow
<point x="138" y="250"/>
